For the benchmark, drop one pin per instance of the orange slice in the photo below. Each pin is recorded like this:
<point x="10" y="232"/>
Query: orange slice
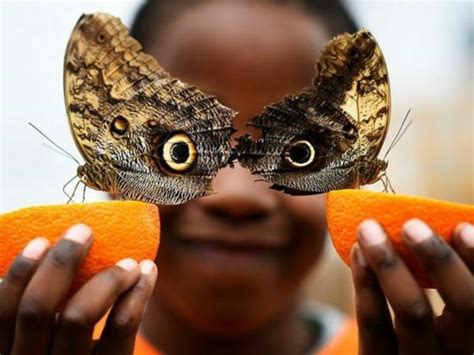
<point x="347" y="208"/>
<point x="121" y="229"/>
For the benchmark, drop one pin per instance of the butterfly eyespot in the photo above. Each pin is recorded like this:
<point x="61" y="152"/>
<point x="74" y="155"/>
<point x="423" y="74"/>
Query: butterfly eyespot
<point x="152" y="123"/>
<point x="300" y="154"/>
<point x="101" y="38"/>
<point x="179" y="153"/>
<point x="119" y="126"/>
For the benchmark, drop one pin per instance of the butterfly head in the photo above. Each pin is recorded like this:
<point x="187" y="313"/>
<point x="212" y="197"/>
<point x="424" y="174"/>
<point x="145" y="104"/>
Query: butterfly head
<point x="94" y="176"/>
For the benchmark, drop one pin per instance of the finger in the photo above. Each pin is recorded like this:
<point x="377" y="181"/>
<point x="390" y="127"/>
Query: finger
<point x="376" y="334"/>
<point x="76" y="324"/>
<point x="13" y="285"/>
<point x="453" y="280"/>
<point x="124" y="320"/>
<point x="449" y="273"/>
<point x="463" y="243"/>
<point x="413" y="314"/>
<point x="46" y="290"/>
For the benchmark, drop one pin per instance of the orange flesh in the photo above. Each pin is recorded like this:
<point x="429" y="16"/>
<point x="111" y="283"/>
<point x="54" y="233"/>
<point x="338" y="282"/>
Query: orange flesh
<point x="347" y="208"/>
<point x="121" y="229"/>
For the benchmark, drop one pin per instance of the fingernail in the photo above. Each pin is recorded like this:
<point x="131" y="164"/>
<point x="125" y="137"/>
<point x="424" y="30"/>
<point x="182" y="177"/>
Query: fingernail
<point x="79" y="233"/>
<point x="127" y="264"/>
<point x="360" y="256"/>
<point x="417" y="231"/>
<point x="36" y="249"/>
<point x="467" y="235"/>
<point x="371" y="232"/>
<point x="147" y="267"/>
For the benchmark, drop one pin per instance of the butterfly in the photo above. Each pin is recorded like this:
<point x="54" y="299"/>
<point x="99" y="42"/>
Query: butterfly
<point x="328" y="136"/>
<point x="143" y="134"/>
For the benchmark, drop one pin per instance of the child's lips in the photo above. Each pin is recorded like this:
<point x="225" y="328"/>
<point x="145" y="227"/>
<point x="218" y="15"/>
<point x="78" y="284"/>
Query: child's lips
<point x="229" y="257"/>
<point x="237" y="242"/>
<point x="229" y="253"/>
<point x="242" y="248"/>
<point x="238" y="238"/>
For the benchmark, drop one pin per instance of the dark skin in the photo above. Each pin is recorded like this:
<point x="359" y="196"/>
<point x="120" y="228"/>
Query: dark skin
<point x="30" y="300"/>
<point x="231" y="264"/>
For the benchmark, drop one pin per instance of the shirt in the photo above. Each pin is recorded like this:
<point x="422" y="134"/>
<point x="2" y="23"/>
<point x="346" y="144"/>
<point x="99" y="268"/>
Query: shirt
<point x="337" y="334"/>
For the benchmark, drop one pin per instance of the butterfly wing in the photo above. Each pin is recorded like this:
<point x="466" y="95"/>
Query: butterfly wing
<point x="353" y="75"/>
<point x="123" y="107"/>
<point x="336" y="124"/>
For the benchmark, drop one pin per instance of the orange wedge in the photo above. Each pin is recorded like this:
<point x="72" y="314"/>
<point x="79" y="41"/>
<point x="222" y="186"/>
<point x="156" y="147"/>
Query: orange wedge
<point x="121" y="229"/>
<point x="347" y="208"/>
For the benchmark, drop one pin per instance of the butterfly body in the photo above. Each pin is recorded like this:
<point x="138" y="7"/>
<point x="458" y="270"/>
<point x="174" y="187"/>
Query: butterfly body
<point x="328" y="136"/>
<point x="144" y="134"/>
<point x="95" y="176"/>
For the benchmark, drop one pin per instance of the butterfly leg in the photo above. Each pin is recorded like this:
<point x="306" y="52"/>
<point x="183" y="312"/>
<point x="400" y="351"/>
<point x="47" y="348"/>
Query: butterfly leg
<point x="387" y="185"/>
<point x="65" y="185"/>
<point x="73" y="192"/>
<point x="392" y="190"/>
<point x="84" y="193"/>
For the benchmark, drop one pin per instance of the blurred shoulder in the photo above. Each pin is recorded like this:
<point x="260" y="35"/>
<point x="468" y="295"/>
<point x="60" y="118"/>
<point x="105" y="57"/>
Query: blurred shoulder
<point x="331" y="328"/>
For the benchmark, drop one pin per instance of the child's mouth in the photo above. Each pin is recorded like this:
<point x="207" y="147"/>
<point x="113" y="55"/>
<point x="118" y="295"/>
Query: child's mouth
<point x="231" y="254"/>
<point x="232" y="243"/>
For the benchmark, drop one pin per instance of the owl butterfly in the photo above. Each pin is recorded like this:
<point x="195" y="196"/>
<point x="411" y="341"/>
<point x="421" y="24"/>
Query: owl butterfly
<point x="143" y="134"/>
<point x="328" y="136"/>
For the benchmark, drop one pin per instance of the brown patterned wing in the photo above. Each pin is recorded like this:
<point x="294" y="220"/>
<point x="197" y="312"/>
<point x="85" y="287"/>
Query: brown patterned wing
<point x="328" y="136"/>
<point x="353" y="75"/>
<point x="144" y="135"/>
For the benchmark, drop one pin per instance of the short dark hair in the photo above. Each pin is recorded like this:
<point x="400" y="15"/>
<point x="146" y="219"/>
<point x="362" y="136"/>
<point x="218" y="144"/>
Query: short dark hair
<point x="153" y="14"/>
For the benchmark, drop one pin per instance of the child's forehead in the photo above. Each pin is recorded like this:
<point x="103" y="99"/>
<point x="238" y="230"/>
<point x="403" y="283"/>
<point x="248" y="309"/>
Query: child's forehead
<point x="230" y="13"/>
<point x="231" y="26"/>
<point x="239" y="38"/>
<point x="247" y="55"/>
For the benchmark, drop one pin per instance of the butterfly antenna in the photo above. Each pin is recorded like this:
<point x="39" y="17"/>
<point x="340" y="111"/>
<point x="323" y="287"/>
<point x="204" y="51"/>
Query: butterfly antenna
<point x="57" y="146"/>
<point x="57" y="151"/>
<point x="400" y="133"/>
<point x="403" y="133"/>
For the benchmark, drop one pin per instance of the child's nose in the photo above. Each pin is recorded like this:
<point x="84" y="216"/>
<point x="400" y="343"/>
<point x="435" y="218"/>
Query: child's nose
<point x="238" y="197"/>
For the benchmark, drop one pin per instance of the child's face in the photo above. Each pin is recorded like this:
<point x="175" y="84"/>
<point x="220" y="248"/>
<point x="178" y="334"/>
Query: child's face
<point x="231" y="261"/>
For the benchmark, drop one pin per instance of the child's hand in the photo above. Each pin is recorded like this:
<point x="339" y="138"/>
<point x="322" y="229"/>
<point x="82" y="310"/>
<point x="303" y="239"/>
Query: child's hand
<point x="380" y="274"/>
<point x="38" y="280"/>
